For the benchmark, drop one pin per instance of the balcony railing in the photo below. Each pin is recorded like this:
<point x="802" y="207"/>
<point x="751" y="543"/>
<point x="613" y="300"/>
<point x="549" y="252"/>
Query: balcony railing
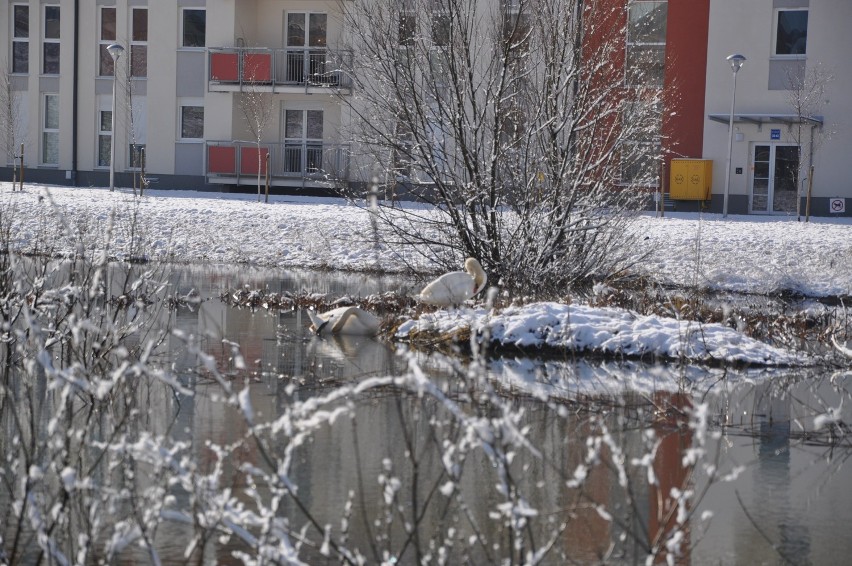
<point x="260" y="67"/>
<point x="237" y="161"/>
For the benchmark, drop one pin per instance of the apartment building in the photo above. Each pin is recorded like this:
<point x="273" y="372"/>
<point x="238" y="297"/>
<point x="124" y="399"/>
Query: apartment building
<point x="787" y="43"/>
<point x="201" y="82"/>
<point x="182" y="81"/>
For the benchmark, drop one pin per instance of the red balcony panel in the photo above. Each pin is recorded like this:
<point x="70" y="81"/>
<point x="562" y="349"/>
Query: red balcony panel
<point x="224" y="67"/>
<point x="222" y="160"/>
<point x="257" y="67"/>
<point x="248" y="160"/>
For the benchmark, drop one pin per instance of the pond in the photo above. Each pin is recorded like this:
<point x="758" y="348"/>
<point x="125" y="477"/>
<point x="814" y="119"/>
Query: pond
<point x="271" y="441"/>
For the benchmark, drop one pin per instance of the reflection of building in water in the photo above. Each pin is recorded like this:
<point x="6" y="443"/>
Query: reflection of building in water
<point x="675" y="440"/>
<point x="777" y="520"/>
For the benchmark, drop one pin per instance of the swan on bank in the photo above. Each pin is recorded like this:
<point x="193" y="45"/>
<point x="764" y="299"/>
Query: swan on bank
<point x="455" y="287"/>
<point x="345" y="320"/>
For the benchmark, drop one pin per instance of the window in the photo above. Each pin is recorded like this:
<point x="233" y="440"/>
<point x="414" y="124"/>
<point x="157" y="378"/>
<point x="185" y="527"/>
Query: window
<point x="106" y="38"/>
<point x="640" y="154"/>
<point x="191" y="122"/>
<point x="50" y="130"/>
<point x="791" y="32"/>
<point x="303" y="131"/>
<point x="50" y="41"/>
<point x="311" y="35"/>
<point x="104" y="137"/>
<point x="137" y="155"/>
<point x="441" y="28"/>
<point x="407" y="29"/>
<point x="306" y="41"/>
<point x="646" y="43"/>
<point x="194" y="28"/>
<point x="21" y="39"/>
<point x="139" y="43"/>
<point x="640" y="164"/>
<point x="138" y="131"/>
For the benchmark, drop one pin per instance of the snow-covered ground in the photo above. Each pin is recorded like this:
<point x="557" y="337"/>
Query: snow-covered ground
<point x="749" y="254"/>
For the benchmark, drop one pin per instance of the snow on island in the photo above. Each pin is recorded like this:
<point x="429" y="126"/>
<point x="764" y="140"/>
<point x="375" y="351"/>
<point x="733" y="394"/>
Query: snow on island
<point x="608" y="331"/>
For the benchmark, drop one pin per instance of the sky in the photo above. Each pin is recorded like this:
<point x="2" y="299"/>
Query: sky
<point x="751" y="254"/>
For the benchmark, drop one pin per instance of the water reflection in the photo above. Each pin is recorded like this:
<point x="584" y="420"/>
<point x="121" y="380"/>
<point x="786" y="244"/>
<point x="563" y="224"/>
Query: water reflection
<point x="766" y="515"/>
<point x="486" y="461"/>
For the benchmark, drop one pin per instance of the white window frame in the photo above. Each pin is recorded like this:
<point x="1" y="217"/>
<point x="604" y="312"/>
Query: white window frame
<point x="45" y="130"/>
<point x="775" y="20"/>
<point x="648" y="147"/>
<point x="181" y="35"/>
<point x="630" y="43"/>
<point x="138" y="43"/>
<point x="103" y="43"/>
<point x="188" y="103"/>
<point x="19" y="39"/>
<point x="103" y="134"/>
<point x="50" y="40"/>
<point x="139" y="133"/>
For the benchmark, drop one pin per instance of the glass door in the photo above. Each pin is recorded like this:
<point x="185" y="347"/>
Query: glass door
<point x="303" y="131"/>
<point x="306" y="43"/>
<point x="775" y="178"/>
<point x="785" y="178"/>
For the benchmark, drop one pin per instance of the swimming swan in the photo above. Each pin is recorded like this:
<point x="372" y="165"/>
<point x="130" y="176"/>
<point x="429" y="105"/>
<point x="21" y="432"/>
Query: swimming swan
<point x="455" y="287"/>
<point x="345" y="320"/>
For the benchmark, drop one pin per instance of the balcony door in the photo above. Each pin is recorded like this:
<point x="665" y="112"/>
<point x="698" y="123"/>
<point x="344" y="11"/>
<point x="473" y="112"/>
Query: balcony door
<point x="303" y="141"/>
<point x="775" y="178"/>
<point x="306" y="46"/>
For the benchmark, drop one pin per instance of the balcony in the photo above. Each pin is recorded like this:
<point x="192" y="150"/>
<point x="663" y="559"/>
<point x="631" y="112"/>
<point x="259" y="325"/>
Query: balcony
<point x="291" y="164"/>
<point x="291" y="69"/>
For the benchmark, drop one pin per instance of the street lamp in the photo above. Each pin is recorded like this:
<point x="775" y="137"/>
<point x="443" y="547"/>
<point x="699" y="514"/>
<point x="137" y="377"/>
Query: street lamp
<point x="736" y="60"/>
<point x="115" y="51"/>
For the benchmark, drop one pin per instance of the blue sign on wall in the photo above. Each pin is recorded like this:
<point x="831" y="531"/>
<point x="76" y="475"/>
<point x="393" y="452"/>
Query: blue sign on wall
<point x="775" y="134"/>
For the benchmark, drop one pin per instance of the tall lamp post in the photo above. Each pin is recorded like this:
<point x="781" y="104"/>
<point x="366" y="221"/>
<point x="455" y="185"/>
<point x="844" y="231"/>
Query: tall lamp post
<point x="115" y="51"/>
<point x="736" y="60"/>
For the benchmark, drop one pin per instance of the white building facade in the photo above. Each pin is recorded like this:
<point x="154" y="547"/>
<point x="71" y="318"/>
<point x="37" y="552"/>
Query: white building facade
<point x="180" y="84"/>
<point x="787" y="43"/>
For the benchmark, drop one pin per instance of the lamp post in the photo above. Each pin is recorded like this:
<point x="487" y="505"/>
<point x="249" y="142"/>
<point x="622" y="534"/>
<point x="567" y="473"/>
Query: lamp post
<point x="115" y="51"/>
<point x="736" y="60"/>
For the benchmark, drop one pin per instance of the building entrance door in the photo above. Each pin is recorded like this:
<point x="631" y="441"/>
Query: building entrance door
<point x="775" y="178"/>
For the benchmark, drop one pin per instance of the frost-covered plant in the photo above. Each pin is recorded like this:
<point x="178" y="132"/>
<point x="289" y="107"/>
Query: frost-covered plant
<point x="512" y="119"/>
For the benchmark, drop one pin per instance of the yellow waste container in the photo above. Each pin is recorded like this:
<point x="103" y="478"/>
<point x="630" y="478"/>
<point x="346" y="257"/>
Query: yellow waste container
<point x="691" y="179"/>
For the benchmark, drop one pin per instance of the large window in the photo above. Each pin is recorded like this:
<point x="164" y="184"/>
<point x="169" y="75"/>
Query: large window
<point x="640" y="153"/>
<point x="105" y="38"/>
<point x="194" y="28"/>
<point x="137" y="155"/>
<point x="646" y="42"/>
<point x="20" y="39"/>
<point x="303" y="132"/>
<point x="791" y="32"/>
<point x="50" y="41"/>
<point x="104" y="137"/>
<point x="407" y="29"/>
<point x="139" y="43"/>
<point x="306" y="41"/>
<point x="138" y="131"/>
<point x="50" y="130"/>
<point x="191" y="122"/>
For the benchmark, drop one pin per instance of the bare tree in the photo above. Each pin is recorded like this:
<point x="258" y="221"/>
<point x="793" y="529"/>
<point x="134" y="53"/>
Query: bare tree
<point x="257" y="108"/>
<point x="806" y="92"/>
<point x="514" y="120"/>
<point x="12" y="122"/>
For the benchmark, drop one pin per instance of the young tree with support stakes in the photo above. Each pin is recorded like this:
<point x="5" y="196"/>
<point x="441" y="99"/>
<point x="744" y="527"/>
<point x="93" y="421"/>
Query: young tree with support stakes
<point x="514" y="120"/>
<point x="806" y="95"/>
<point x="257" y="108"/>
<point x="12" y="124"/>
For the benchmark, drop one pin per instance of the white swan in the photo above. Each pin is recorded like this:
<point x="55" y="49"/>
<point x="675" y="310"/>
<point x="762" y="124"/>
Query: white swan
<point x="345" y="320"/>
<point x="455" y="287"/>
